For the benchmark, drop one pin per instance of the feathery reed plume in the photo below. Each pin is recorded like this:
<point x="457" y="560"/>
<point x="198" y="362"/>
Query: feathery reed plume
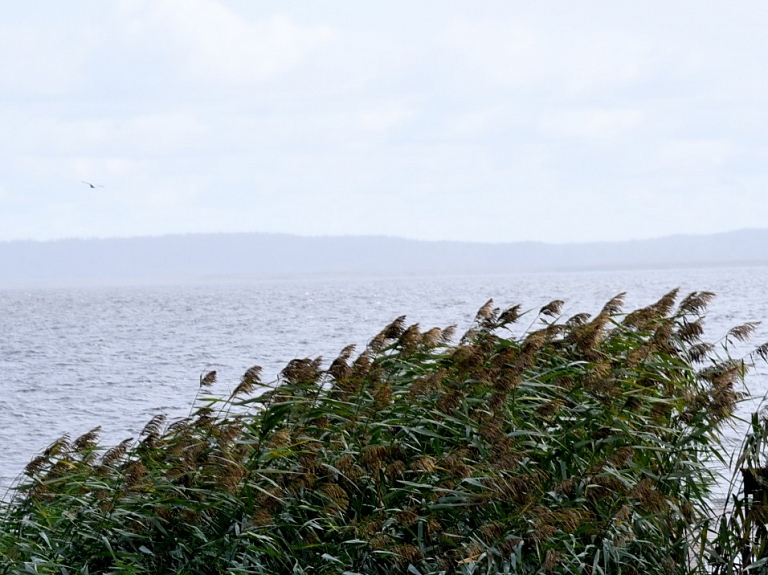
<point x="336" y="494"/>
<point x="154" y="426"/>
<point x="339" y="368"/>
<point x="578" y="319"/>
<point x="432" y="337"/>
<point x="424" y="464"/>
<point x="614" y="305"/>
<point x="58" y="448"/>
<point x="447" y="334"/>
<point x="410" y="339"/>
<point x="486" y="311"/>
<point x="486" y="315"/>
<point x="180" y="425"/>
<point x="510" y="315"/>
<point x="135" y="471"/>
<point x="699" y="352"/>
<point x="644" y="318"/>
<point x="35" y="465"/>
<point x="743" y="332"/>
<point x="394" y="329"/>
<point x="251" y="378"/>
<point x="362" y="364"/>
<point x="377" y="343"/>
<point x="382" y="397"/>
<point x="696" y="302"/>
<point x="116" y="453"/>
<point x="302" y="371"/>
<point x="208" y="379"/>
<point x="690" y="331"/>
<point x="406" y="554"/>
<point x="762" y="351"/>
<point x="553" y="308"/>
<point x="387" y="335"/>
<point x="662" y="339"/>
<point x="664" y="306"/>
<point x="551" y="561"/>
<point x="426" y="384"/>
<point x="88" y="440"/>
<point x="492" y="530"/>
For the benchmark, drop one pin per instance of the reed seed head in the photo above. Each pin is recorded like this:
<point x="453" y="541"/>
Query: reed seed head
<point x="743" y="332"/>
<point x="553" y="308"/>
<point x="208" y="379"/>
<point x="251" y="378"/>
<point x="696" y="302"/>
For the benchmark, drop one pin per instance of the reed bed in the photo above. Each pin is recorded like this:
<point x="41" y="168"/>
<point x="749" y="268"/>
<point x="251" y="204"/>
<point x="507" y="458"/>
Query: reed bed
<point x="580" y="445"/>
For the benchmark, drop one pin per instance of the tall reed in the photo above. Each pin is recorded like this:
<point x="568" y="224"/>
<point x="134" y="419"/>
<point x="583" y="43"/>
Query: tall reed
<point x="583" y="445"/>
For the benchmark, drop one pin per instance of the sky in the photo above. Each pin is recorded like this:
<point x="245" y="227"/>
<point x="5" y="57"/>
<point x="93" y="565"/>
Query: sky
<point x="440" y="120"/>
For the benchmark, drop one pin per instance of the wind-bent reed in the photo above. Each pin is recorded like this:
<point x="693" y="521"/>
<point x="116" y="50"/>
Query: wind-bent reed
<point x="580" y="445"/>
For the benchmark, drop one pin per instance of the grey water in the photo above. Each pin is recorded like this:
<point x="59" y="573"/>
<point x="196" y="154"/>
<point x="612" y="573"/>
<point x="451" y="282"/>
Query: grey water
<point x="74" y="359"/>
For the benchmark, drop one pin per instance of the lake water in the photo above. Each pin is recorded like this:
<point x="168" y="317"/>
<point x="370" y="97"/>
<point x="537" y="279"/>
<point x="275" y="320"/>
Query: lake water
<point x="72" y="359"/>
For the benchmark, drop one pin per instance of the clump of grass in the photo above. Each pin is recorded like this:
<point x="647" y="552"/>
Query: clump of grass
<point x="579" y="445"/>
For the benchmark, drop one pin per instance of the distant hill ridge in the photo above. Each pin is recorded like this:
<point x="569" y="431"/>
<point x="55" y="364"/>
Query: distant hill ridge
<point x="201" y="257"/>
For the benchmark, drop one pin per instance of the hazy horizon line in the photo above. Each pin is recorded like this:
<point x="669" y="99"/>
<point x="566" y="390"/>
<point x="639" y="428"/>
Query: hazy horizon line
<point x="382" y="236"/>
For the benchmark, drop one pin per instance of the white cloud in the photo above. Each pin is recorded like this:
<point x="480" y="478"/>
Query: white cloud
<point x="212" y="43"/>
<point x="598" y="51"/>
<point x="556" y="54"/>
<point x="41" y="61"/>
<point x="143" y="134"/>
<point x="475" y="123"/>
<point x="510" y="55"/>
<point x="589" y="124"/>
<point x="385" y="117"/>
<point x="696" y="154"/>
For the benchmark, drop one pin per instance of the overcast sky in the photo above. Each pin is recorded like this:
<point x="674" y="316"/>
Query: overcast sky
<point x="485" y="121"/>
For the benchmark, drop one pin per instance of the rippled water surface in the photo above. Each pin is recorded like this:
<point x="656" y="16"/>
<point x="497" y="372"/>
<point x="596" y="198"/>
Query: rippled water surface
<point x="77" y="358"/>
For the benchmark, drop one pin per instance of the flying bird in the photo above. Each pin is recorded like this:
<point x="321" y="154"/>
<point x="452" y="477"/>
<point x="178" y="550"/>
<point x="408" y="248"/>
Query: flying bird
<point x="93" y="186"/>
